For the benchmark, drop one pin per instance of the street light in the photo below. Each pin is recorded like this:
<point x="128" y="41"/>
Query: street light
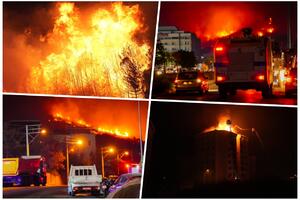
<point x="103" y="151"/>
<point x="119" y="157"/>
<point x="43" y="131"/>
<point x="70" y="140"/>
<point x="79" y="142"/>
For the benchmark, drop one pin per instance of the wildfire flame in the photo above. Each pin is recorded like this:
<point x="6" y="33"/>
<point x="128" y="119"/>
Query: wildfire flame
<point x="88" y="56"/>
<point x="80" y="122"/>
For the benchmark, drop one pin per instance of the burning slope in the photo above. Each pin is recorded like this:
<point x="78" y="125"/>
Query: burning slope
<point x="58" y="117"/>
<point x="99" y="52"/>
<point x="118" y="118"/>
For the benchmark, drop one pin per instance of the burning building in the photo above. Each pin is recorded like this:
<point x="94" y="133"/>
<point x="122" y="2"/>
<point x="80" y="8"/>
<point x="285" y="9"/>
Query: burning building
<point x="223" y="156"/>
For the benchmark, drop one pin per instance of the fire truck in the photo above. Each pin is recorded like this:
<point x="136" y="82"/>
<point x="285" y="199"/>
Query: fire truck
<point x="24" y="171"/>
<point x="243" y="61"/>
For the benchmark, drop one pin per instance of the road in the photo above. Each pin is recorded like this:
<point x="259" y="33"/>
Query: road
<point x="39" y="192"/>
<point x="242" y="96"/>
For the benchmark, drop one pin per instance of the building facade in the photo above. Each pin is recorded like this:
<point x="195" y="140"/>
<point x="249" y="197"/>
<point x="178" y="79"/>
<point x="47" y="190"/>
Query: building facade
<point x="223" y="156"/>
<point x="174" y="40"/>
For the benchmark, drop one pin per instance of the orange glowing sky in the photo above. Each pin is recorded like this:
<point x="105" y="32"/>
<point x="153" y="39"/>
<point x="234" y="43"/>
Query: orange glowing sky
<point x="209" y="20"/>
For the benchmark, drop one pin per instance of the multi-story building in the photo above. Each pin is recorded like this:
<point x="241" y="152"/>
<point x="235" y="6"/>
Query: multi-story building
<point x="223" y="156"/>
<point x="174" y="40"/>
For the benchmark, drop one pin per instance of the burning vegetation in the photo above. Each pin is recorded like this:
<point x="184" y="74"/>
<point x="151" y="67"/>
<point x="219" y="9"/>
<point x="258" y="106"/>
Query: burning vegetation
<point x="58" y="117"/>
<point x="97" y="51"/>
<point x="117" y="118"/>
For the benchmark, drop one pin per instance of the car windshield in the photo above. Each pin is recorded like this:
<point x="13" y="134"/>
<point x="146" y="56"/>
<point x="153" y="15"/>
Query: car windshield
<point x="134" y="177"/>
<point x="188" y="75"/>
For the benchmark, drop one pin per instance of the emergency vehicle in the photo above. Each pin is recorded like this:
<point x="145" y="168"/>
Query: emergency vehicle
<point x="243" y="61"/>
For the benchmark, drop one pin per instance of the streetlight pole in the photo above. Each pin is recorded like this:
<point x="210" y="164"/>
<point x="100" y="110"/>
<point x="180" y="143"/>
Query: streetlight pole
<point x="70" y="141"/>
<point x="140" y="131"/>
<point x="118" y="159"/>
<point x="67" y="157"/>
<point x="102" y="162"/>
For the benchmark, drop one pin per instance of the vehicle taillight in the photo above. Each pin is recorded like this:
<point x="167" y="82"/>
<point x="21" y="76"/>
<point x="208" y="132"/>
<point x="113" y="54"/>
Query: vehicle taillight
<point x="198" y="80"/>
<point x="260" y="77"/>
<point x="219" y="49"/>
<point x="221" y="78"/>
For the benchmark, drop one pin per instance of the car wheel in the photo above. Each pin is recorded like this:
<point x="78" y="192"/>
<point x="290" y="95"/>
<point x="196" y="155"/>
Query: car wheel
<point x="222" y="92"/>
<point x="267" y="92"/>
<point x="288" y="93"/>
<point x="232" y="92"/>
<point x="201" y="91"/>
<point x="36" y="183"/>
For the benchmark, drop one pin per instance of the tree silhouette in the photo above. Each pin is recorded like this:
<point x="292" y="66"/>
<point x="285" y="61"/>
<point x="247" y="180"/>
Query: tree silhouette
<point x="185" y="59"/>
<point x="133" y="76"/>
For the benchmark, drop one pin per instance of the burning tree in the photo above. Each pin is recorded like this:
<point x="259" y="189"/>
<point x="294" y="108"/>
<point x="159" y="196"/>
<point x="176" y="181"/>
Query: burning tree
<point x="86" y="57"/>
<point x="132" y="75"/>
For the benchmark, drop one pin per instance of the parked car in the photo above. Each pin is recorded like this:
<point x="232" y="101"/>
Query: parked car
<point x="106" y="184"/>
<point x="191" y="81"/>
<point x="84" y="179"/>
<point x="123" y="179"/>
<point x="131" y="189"/>
<point x="291" y="82"/>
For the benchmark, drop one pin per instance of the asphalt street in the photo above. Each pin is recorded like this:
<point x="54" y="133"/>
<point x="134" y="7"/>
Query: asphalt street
<point x="248" y="96"/>
<point x="39" y="192"/>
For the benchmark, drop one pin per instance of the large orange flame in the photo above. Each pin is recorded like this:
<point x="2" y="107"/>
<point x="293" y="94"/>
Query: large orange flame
<point x="88" y="56"/>
<point x="222" y="125"/>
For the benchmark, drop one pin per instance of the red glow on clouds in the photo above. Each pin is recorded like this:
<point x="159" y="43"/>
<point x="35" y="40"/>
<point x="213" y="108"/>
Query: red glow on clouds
<point x="210" y="20"/>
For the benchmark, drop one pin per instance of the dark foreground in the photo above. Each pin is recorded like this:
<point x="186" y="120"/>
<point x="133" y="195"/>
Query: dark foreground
<point x="38" y="192"/>
<point x="263" y="189"/>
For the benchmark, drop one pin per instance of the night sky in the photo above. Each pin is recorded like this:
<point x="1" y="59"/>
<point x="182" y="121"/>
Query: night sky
<point x="114" y="113"/>
<point x="171" y="147"/>
<point x="205" y="18"/>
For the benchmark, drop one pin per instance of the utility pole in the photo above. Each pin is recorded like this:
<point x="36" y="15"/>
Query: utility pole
<point x="31" y="132"/>
<point x="27" y="141"/>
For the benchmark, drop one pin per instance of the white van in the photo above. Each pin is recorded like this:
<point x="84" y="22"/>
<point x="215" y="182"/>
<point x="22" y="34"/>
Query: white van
<point x="84" y="179"/>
